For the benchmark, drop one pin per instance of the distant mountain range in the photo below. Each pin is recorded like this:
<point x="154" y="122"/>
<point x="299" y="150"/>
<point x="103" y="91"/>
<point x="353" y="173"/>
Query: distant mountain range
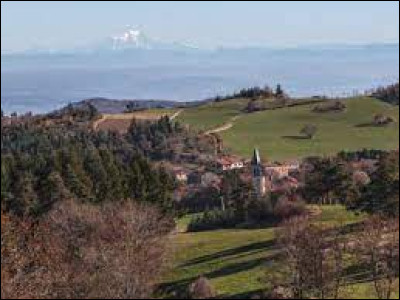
<point x="133" y="39"/>
<point x="137" y="39"/>
<point x="133" y="65"/>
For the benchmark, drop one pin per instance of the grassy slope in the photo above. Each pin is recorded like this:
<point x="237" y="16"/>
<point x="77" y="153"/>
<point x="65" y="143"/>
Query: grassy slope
<point x="271" y="130"/>
<point x="212" y="115"/>
<point x="235" y="260"/>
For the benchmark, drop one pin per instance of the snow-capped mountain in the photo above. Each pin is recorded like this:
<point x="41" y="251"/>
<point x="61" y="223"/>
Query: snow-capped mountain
<point x="134" y="38"/>
<point x="130" y="39"/>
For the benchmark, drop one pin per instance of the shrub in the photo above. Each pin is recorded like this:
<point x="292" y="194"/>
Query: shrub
<point x="331" y="106"/>
<point x="213" y="219"/>
<point x="260" y="211"/>
<point x="285" y="209"/>
<point x="201" y="289"/>
<point x="382" y="120"/>
<point x="280" y="292"/>
<point x="309" y="131"/>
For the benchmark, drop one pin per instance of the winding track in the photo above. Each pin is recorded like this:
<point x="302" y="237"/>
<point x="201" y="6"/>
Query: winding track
<point x="224" y="127"/>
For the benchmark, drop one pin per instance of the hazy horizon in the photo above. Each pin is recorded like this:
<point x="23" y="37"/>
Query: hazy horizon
<point x="260" y="30"/>
<point x="64" y="25"/>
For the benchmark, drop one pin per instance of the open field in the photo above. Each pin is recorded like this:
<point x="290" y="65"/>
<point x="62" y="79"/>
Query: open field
<point x="212" y="115"/>
<point x="276" y="132"/>
<point x="235" y="260"/>
<point x="121" y="122"/>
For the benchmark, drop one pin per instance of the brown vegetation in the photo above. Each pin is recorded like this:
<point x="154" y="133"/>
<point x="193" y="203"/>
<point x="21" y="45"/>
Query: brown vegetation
<point x="321" y="262"/>
<point x="330" y="106"/>
<point x="79" y="251"/>
<point x="121" y="122"/>
<point x="201" y="289"/>
<point x="315" y="260"/>
<point x="382" y="120"/>
<point x="377" y="248"/>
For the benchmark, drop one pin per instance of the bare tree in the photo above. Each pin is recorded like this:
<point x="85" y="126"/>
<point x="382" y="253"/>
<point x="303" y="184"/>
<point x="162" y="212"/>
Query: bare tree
<point x="81" y="251"/>
<point x="377" y="248"/>
<point x="314" y="259"/>
<point x="309" y="131"/>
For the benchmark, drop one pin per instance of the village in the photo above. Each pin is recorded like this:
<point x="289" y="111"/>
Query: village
<point x="264" y="176"/>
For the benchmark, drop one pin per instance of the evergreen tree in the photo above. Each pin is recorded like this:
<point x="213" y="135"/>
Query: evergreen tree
<point x="26" y="196"/>
<point x="381" y="196"/>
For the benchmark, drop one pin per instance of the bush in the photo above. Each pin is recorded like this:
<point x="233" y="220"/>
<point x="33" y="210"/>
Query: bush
<point x="201" y="289"/>
<point x="309" y="131"/>
<point x="280" y="292"/>
<point x="332" y="106"/>
<point x="260" y="211"/>
<point x="285" y="209"/>
<point x="382" y="120"/>
<point x="212" y="220"/>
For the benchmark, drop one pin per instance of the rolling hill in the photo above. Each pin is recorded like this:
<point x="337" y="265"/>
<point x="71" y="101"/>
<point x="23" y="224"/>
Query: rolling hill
<point x="276" y="132"/>
<point x="237" y="261"/>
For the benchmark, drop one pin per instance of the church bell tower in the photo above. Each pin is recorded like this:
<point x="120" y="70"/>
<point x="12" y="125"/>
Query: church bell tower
<point x="259" y="181"/>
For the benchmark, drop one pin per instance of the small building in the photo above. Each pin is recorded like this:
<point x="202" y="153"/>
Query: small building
<point x="181" y="175"/>
<point x="281" y="171"/>
<point x="273" y="178"/>
<point x="229" y="163"/>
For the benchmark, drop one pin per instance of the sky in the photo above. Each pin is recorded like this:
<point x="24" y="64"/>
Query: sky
<point x="55" y="25"/>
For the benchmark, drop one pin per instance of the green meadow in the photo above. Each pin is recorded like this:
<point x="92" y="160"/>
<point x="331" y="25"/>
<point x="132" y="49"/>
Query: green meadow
<point x="239" y="262"/>
<point x="277" y="132"/>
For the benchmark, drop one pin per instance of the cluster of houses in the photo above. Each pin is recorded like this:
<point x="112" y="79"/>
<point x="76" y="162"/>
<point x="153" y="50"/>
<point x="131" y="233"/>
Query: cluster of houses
<point x="15" y="119"/>
<point x="265" y="177"/>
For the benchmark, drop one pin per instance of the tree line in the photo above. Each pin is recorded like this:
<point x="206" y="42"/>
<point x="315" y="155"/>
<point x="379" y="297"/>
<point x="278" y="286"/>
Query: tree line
<point x="388" y="94"/>
<point x="255" y="92"/>
<point x="374" y="191"/>
<point x="84" y="214"/>
<point x="43" y="165"/>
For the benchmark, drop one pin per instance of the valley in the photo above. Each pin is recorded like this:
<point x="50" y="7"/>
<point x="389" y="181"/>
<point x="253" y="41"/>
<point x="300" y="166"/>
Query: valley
<point x="200" y="150"/>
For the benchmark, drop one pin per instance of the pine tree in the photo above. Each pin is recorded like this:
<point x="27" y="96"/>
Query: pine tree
<point x="25" y="195"/>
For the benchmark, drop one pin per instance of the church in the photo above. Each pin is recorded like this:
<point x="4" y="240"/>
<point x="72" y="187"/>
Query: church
<point x="259" y="179"/>
<point x="272" y="178"/>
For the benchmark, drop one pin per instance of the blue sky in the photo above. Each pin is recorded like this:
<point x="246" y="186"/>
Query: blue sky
<point x="38" y="24"/>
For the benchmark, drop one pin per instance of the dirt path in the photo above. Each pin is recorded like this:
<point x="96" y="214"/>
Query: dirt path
<point x="224" y="127"/>
<point x="177" y="114"/>
<point x="97" y="123"/>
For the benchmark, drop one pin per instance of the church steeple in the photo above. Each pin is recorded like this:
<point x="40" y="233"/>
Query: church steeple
<point x="257" y="164"/>
<point x="256" y="157"/>
<point x="259" y="181"/>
